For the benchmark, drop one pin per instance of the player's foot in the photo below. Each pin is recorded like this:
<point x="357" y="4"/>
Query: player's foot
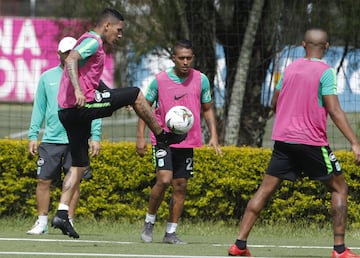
<point x="71" y="221"/>
<point x="235" y="251"/>
<point x="65" y="226"/>
<point x="346" y="254"/>
<point x="168" y="138"/>
<point x="147" y="232"/>
<point x="171" y="238"/>
<point x="38" y="229"/>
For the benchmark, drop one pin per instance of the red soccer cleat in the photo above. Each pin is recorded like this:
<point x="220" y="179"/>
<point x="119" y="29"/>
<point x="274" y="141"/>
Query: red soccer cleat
<point x="235" y="251"/>
<point x="346" y="254"/>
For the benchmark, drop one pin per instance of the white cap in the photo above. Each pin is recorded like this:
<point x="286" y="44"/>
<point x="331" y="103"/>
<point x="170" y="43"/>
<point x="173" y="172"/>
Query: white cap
<point x="66" y="44"/>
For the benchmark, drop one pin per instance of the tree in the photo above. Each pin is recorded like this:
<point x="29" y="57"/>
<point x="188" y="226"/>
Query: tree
<point x="238" y="92"/>
<point x="249" y="47"/>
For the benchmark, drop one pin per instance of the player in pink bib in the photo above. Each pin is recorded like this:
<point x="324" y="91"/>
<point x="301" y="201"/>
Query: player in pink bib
<point x="303" y="98"/>
<point x="184" y="86"/>
<point x="82" y="98"/>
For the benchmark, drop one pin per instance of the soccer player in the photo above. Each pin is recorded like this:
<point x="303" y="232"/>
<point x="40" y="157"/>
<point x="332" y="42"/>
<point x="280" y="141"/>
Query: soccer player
<point x="54" y="154"/>
<point x="185" y="86"/>
<point x="80" y="103"/>
<point x="304" y="96"/>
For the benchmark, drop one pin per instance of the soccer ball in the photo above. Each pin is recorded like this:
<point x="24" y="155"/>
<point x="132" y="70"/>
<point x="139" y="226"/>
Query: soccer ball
<point x="179" y="119"/>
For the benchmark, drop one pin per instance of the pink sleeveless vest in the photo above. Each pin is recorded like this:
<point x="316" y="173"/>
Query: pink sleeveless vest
<point x="299" y="116"/>
<point x="89" y="76"/>
<point x="188" y="94"/>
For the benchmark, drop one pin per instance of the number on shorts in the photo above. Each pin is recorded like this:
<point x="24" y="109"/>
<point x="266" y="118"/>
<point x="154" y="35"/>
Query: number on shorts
<point x="189" y="164"/>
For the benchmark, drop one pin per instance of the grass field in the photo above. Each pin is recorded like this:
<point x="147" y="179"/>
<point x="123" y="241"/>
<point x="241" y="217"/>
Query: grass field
<point x="204" y="239"/>
<point x="15" y="119"/>
<point x="121" y="239"/>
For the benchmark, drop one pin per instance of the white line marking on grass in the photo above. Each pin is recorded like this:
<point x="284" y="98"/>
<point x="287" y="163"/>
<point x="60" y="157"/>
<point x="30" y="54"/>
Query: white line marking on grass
<point x="138" y="255"/>
<point x="129" y="243"/>
<point x="64" y="240"/>
<point x="114" y="255"/>
<point x="290" y="246"/>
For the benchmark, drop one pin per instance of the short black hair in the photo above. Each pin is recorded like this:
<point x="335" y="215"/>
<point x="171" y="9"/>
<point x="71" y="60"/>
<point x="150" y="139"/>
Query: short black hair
<point x="109" y="12"/>
<point x="182" y="43"/>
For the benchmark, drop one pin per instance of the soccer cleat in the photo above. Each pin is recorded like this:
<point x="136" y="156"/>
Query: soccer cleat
<point x="38" y="229"/>
<point x="65" y="226"/>
<point x="147" y="232"/>
<point x="168" y="138"/>
<point x="346" y="254"/>
<point x="235" y="251"/>
<point x="171" y="238"/>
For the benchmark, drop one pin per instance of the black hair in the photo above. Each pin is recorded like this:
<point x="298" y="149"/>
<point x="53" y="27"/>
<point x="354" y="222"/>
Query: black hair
<point x="109" y="12"/>
<point x="182" y="43"/>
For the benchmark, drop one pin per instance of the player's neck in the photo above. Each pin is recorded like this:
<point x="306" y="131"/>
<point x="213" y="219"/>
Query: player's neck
<point x="180" y="74"/>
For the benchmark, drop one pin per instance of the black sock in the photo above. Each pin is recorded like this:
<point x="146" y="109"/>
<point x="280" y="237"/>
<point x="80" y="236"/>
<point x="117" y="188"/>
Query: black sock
<point x="339" y="248"/>
<point x="62" y="214"/>
<point x="241" y="244"/>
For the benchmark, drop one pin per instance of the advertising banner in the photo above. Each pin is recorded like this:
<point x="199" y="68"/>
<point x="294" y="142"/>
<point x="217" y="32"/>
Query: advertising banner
<point x="28" y="47"/>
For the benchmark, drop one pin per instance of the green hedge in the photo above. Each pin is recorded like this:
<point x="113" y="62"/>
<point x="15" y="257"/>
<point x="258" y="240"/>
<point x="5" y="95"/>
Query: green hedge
<point x="220" y="188"/>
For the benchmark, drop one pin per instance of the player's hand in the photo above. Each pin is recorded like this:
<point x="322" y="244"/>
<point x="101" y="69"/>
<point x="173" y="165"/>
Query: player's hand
<point x="356" y="150"/>
<point x="129" y="108"/>
<point x="80" y="98"/>
<point x="33" y="147"/>
<point x="214" y="143"/>
<point x="141" y="147"/>
<point x="94" y="148"/>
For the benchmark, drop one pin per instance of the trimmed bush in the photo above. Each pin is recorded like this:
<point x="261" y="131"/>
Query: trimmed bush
<point x="220" y="188"/>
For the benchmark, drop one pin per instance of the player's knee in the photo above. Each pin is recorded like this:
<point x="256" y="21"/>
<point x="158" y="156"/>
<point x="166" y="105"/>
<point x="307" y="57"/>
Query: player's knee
<point x="139" y="96"/>
<point x="181" y="185"/>
<point x="337" y="185"/>
<point x="43" y="183"/>
<point x="342" y="189"/>
<point x="163" y="183"/>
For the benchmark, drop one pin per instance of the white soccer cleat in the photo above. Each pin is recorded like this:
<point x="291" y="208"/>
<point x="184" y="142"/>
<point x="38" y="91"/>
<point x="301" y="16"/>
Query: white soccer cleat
<point x="147" y="232"/>
<point x="38" y="229"/>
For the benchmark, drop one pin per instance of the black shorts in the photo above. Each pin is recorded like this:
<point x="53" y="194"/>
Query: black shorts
<point x="77" y="121"/>
<point x="289" y="161"/>
<point x="178" y="160"/>
<point x="53" y="159"/>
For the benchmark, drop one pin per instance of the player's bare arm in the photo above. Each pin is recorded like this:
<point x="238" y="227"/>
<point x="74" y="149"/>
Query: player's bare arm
<point x="210" y="120"/>
<point x="140" y="139"/>
<point x="94" y="148"/>
<point x="71" y="64"/>
<point x="141" y="145"/>
<point x="340" y="120"/>
<point x="33" y="147"/>
<point x="274" y="100"/>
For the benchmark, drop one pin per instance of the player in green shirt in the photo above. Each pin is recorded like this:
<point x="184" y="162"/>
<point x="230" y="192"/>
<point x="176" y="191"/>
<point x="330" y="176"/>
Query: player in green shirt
<point x="54" y="154"/>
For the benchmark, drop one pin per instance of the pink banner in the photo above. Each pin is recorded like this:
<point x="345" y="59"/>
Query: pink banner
<point x="28" y="47"/>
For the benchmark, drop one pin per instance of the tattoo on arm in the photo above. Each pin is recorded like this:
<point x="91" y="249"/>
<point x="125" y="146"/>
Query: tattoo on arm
<point x="72" y="70"/>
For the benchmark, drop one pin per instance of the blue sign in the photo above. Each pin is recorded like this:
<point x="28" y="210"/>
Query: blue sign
<point x="348" y="74"/>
